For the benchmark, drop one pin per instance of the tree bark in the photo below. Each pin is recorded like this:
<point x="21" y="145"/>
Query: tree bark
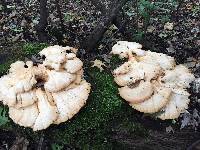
<point x="118" y="21"/>
<point x="91" y="42"/>
<point x="42" y="25"/>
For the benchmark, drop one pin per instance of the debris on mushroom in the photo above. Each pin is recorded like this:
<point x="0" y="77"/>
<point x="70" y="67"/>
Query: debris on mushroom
<point x="48" y="93"/>
<point x="151" y="82"/>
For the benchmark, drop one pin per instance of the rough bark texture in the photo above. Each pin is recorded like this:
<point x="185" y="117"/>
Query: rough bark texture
<point x="91" y="42"/>
<point x="119" y="22"/>
<point x="42" y="25"/>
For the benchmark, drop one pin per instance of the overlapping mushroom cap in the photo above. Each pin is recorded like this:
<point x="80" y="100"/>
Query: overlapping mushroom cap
<point x="48" y="93"/>
<point x="151" y="82"/>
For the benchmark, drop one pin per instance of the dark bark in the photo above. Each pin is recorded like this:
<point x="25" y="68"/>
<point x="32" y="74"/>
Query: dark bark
<point x="91" y="42"/>
<point x="118" y="21"/>
<point x="42" y="25"/>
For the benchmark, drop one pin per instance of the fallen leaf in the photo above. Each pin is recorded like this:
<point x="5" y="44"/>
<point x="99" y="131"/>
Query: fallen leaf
<point x="168" y="26"/>
<point x="98" y="64"/>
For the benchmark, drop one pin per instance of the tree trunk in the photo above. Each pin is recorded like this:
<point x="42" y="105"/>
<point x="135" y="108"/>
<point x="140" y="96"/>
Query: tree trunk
<point x="91" y="42"/>
<point x="42" y="25"/>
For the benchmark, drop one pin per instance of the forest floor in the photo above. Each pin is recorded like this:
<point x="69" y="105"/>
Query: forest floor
<point x="167" y="26"/>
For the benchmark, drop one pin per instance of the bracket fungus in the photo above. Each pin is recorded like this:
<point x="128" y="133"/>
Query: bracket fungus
<point x="48" y="93"/>
<point x="152" y="82"/>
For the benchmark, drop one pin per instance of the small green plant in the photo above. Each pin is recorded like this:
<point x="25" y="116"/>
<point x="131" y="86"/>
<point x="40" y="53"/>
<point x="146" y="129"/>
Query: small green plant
<point x="145" y="9"/>
<point x="3" y="118"/>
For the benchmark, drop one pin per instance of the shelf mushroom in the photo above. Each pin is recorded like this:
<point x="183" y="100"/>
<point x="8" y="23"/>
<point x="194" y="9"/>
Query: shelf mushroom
<point x="48" y="93"/>
<point x="152" y="82"/>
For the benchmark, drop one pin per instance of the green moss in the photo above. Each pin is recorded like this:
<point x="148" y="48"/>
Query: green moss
<point x="19" y="52"/>
<point x="5" y="66"/>
<point x="33" y="48"/>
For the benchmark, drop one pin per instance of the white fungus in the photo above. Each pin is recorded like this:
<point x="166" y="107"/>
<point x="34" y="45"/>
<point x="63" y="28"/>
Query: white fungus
<point x="151" y="82"/>
<point x="48" y="93"/>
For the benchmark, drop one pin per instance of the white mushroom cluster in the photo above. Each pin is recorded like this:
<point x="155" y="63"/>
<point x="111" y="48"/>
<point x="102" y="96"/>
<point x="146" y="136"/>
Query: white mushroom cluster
<point x="152" y="82"/>
<point x="48" y="93"/>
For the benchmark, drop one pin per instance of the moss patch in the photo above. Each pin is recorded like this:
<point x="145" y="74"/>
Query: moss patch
<point x="33" y="48"/>
<point x="18" y="52"/>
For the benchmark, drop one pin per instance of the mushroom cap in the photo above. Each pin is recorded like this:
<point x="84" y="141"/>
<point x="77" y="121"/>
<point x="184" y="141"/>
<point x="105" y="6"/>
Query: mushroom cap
<point x="24" y="116"/>
<point x="69" y="102"/>
<point x="47" y="111"/>
<point x="138" y="94"/>
<point x="138" y="71"/>
<point x="54" y="56"/>
<point x="58" y="80"/>
<point x="70" y="56"/>
<point x="156" y="102"/>
<point x="178" y="103"/>
<point x="124" y="68"/>
<point x="21" y="76"/>
<point x="73" y="65"/>
<point x="125" y="49"/>
<point x="26" y="99"/>
<point x="7" y="93"/>
<point x="180" y="76"/>
<point x="162" y="60"/>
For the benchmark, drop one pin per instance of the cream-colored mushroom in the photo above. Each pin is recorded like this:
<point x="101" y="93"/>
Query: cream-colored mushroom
<point x="156" y="102"/>
<point x="124" y="68"/>
<point x="138" y="94"/>
<point x="162" y="60"/>
<point x="138" y="71"/>
<point x="162" y="85"/>
<point x="69" y="102"/>
<point x="180" y="76"/>
<point x="24" y="116"/>
<point x="178" y="103"/>
<point x="8" y="94"/>
<point x="47" y="111"/>
<point x="73" y="65"/>
<point x="54" y="56"/>
<point x="58" y="80"/>
<point x="28" y="89"/>
<point x="25" y="99"/>
<point x="22" y="77"/>
<point x="126" y="49"/>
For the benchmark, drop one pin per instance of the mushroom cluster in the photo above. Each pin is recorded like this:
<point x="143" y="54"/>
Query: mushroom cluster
<point x="52" y="92"/>
<point x="152" y="82"/>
